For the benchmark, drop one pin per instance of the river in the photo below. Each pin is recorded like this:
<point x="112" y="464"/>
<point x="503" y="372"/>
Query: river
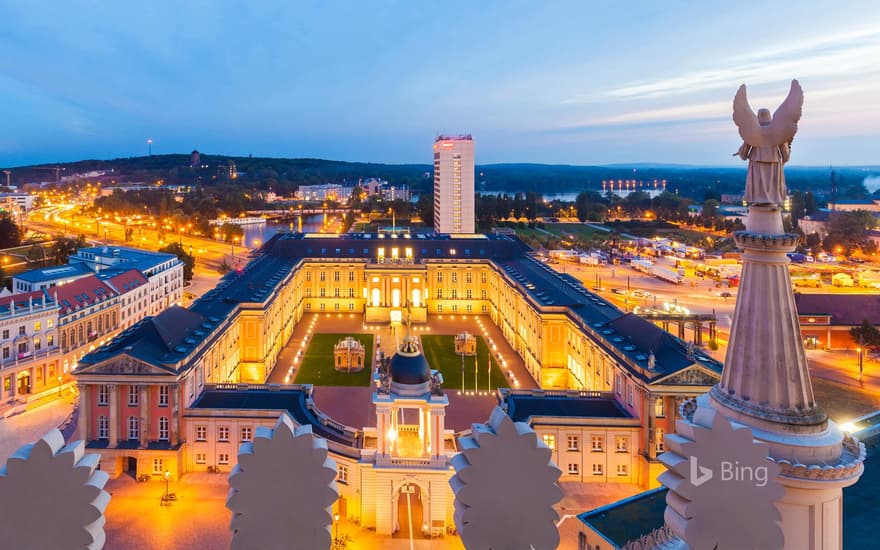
<point x="263" y="232"/>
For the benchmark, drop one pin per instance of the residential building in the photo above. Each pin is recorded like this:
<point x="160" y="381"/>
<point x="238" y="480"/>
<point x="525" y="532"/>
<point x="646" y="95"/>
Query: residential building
<point x="88" y="314"/>
<point x="47" y="277"/>
<point x="29" y="362"/>
<point x="133" y="290"/>
<point x="163" y="271"/>
<point x="454" y="184"/>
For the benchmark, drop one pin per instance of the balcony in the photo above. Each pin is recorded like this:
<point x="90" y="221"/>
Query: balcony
<point x="29" y="356"/>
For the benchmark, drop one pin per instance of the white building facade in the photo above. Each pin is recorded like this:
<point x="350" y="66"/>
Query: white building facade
<point x="454" y="184"/>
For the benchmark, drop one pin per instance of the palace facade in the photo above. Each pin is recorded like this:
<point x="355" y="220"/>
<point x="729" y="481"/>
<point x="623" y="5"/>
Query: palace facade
<point x="179" y="391"/>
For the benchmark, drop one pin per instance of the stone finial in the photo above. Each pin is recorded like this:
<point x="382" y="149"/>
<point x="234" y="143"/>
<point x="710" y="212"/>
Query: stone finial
<point x="53" y="497"/>
<point x="282" y="489"/>
<point x="496" y="453"/>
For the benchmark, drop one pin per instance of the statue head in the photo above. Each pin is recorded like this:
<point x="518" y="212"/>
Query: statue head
<point x="764" y="117"/>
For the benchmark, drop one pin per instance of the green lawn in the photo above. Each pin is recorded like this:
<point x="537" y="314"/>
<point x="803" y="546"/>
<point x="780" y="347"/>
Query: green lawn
<point x="439" y="350"/>
<point x="317" y="365"/>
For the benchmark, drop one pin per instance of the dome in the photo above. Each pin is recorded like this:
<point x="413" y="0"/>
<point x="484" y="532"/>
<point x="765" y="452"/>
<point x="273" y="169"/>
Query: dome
<point x="408" y="366"/>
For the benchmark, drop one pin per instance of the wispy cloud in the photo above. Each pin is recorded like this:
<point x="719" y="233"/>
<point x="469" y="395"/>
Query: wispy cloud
<point x="850" y="54"/>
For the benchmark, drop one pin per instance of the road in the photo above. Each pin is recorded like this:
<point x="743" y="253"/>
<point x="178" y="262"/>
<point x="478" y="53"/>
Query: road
<point x="31" y="425"/>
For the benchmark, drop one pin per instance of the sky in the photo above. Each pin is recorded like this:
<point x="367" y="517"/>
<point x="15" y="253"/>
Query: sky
<point x="556" y="82"/>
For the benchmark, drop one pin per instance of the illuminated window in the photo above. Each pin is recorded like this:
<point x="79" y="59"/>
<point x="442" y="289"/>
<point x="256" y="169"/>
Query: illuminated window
<point x="342" y="474"/>
<point x="550" y="441"/>
<point x="380" y="252"/>
<point x="377" y="297"/>
<point x="659" y="408"/>
<point x="395" y="253"/>
<point x="103" y="395"/>
<point x="658" y="440"/>
<point x="133" y="427"/>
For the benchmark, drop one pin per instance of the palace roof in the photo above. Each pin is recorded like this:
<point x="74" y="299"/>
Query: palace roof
<point x="628" y="519"/>
<point x="523" y="405"/>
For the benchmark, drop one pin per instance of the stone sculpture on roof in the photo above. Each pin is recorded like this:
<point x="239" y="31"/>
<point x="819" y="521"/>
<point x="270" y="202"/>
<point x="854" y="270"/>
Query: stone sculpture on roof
<point x="490" y="510"/>
<point x="767" y="143"/>
<point x="282" y="490"/>
<point x="47" y="479"/>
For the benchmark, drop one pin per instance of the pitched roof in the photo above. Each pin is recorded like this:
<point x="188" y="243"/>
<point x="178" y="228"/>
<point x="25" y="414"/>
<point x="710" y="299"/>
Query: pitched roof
<point x="84" y="292"/>
<point x="126" y="281"/>
<point x="844" y="309"/>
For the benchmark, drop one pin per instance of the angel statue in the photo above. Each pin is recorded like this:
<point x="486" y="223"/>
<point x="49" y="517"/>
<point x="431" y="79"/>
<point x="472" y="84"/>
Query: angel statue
<point x="767" y="144"/>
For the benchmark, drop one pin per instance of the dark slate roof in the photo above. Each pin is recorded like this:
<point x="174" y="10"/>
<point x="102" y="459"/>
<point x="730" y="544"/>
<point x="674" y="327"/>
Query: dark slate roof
<point x="165" y="338"/>
<point x="670" y="353"/>
<point x="426" y="246"/>
<point x="862" y="500"/>
<point x="520" y="408"/>
<point x="292" y="401"/>
<point x="628" y="519"/>
<point x="845" y="309"/>
<point x="409" y="366"/>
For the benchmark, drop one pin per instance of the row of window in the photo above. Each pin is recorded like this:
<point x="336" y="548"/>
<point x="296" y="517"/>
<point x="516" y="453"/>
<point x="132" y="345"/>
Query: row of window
<point x="133" y="396"/>
<point x="134" y="428"/>
<point x="222" y="458"/>
<point x="597" y="442"/>
<point x="598" y="469"/>
<point x="22" y="329"/>
<point x="246" y="433"/>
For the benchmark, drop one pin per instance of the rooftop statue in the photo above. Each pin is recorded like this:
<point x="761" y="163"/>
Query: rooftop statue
<point x="767" y="144"/>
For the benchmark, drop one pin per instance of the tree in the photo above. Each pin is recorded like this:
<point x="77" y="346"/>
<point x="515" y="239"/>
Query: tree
<point x="866" y="335"/>
<point x="425" y="208"/>
<point x="65" y="247"/>
<point x="848" y="231"/>
<point x="189" y="262"/>
<point x="10" y="234"/>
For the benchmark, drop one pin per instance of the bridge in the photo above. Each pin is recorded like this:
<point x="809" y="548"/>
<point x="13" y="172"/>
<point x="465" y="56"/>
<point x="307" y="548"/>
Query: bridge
<point x="287" y="213"/>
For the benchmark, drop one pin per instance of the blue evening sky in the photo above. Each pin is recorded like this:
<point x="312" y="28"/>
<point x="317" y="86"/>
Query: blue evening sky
<point x="552" y="82"/>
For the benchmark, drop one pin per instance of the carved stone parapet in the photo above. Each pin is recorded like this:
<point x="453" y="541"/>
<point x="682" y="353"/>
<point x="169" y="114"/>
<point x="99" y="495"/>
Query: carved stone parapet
<point x="751" y="240"/>
<point x="850" y="465"/>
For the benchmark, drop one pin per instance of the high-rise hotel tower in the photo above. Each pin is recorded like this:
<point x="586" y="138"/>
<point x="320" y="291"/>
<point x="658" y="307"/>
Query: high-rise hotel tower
<point x="454" y="184"/>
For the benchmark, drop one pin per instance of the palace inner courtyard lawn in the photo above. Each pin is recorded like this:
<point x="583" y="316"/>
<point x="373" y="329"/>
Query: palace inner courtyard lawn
<point x="439" y="350"/>
<point x="317" y="364"/>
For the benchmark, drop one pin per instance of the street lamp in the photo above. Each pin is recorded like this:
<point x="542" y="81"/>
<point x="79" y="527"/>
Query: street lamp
<point x="336" y="528"/>
<point x="59" y="387"/>
<point x="167" y="477"/>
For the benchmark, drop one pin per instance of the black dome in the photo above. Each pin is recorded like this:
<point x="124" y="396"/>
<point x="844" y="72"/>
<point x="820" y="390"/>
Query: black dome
<point x="408" y="366"/>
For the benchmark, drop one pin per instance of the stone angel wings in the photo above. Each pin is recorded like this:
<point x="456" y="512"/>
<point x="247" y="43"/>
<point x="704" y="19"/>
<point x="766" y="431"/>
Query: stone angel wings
<point x="780" y="129"/>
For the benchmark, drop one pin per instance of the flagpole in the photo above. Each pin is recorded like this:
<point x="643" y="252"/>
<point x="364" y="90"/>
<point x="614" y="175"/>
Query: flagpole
<point x="489" y="358"/>
<point x="462" y="372"/>
<point x="476" y="370"/>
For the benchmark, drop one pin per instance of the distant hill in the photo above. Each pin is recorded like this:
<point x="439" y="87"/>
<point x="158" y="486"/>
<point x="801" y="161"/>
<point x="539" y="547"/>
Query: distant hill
<point x="283" y="174"/>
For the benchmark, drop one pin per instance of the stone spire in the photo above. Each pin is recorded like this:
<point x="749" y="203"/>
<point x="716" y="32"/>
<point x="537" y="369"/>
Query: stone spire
<point x="765" y="372"/>
<point x="765" y="386"/>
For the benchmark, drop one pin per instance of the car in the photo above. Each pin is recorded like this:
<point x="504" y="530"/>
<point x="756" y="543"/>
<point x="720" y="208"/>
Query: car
<point x="640" y="293"/>
<point x="726" y="294"/>
<point x="618" y="291"/>
<point x="598" y="288"/>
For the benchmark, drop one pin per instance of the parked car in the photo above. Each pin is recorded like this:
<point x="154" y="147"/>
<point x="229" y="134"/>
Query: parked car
<point x="618" y="291"/>
<point x="640" y="293"/>
<point x="598" y="288"/>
